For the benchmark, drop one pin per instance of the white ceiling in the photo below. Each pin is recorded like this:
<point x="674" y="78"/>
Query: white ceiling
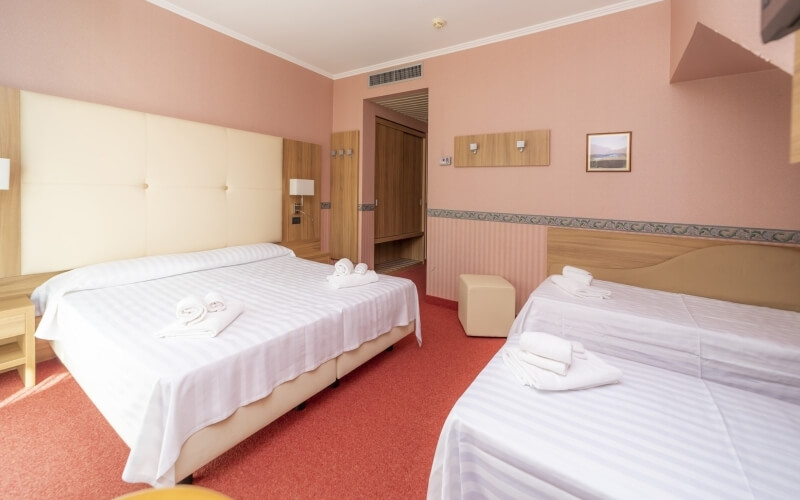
<point x="340" y="38"/>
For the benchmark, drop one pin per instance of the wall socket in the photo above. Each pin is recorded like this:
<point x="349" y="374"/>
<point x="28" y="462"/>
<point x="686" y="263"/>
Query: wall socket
<point x="295" y="220"/>
<point x="445" y="161"/>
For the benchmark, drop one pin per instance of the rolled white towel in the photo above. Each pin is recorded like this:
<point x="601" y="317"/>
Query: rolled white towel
<point x="579" y="290"/>
<point x="210" y="326"/>
<point x="547" y="346"/>
<point x="351" y="280"/>
<point x="583" y="374"/>
<point x="190" y="310"/>
<point x="343" y="267"/>
<point x="582" y="276"/>
<point x="215" y="302"/>
<point x="543" y="363"/>
<point x="360" y="268"/>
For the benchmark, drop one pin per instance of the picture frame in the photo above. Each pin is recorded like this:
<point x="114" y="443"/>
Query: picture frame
<point x="608" y="152"/>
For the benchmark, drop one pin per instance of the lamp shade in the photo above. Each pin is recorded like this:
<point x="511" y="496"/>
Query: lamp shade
<point x="5" y="174"/>
<point x="301" y="187"/>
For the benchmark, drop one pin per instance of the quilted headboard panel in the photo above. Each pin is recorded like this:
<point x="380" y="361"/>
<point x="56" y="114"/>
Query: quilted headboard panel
<point x="102" y="183"/>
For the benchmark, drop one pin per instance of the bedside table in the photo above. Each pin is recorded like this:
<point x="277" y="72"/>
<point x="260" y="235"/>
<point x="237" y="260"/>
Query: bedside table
<point x="309" y="250"/>
<point x="16" y="338"/>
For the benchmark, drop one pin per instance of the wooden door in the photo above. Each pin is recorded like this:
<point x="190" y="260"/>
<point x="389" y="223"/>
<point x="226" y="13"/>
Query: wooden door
<point x="411" y="182"/>
<point x="388" y="166"/>
<point x="399" y="167"/>
<point x="344" y="196"/>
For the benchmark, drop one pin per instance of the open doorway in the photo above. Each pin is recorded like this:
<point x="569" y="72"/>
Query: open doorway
<point x="400" y="181"/>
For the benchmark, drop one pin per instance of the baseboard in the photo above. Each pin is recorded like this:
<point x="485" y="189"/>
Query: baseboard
<point x="438" y="301"/>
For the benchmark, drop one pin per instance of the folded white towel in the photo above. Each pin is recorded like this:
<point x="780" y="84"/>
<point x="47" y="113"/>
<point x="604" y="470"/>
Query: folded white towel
<point x="547" y="346"/>
<point x="343" y="267"/>
<point x="215" y="302"/>
<point x="577" y="274"/>
<point x="353" y="279"/>
<point x="210" y="326"/>
<point x="543" y="363"/>
<point x="360" y="268"/>
<point x="577" y="350"/>
<point x="583" y="374"/>
<point x="575" y="270"/>
<point x="190" y="310"/>
<point x="578" y="289"/>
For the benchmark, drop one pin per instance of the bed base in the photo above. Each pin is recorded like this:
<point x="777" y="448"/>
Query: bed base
<point x="214" y="440"/>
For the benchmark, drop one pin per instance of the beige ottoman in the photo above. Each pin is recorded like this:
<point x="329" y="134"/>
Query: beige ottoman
<point x="485" y="305"/>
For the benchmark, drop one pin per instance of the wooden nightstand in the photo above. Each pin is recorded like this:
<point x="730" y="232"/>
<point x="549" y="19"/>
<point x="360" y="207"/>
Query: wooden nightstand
<point x="309" y="250"/>
<point x="17" y="349"/>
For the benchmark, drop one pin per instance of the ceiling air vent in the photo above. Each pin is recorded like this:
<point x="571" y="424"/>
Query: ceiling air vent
<point x="395" y="75"/>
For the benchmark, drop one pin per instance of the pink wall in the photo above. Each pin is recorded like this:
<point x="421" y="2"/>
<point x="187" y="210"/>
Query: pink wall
<point x="739" y="20"/>
<point x="135" y="55"/>
<point x="711" y="151"/>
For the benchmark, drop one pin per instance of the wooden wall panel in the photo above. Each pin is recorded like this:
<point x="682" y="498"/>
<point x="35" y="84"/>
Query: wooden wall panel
<point x="500" y="150"/>
<point x="301" y="160"/>
<point x="10" y="221"/>
<point x="344" y="196"/>
<point x="750" y="273"/>
<point x="615" y="250"/>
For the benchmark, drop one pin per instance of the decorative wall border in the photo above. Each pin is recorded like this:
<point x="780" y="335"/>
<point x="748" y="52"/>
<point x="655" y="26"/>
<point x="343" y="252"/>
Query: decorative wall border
<point x="675" y="229"/>
<point x="366" y="207"/>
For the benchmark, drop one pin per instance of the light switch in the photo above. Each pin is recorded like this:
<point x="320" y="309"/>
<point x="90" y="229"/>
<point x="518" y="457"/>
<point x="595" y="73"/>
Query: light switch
<point x="445" y="161"/>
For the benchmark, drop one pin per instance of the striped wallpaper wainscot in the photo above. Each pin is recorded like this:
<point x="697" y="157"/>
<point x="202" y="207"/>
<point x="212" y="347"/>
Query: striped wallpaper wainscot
<point x="517" y="252"/>
<point x="514" y="246"/>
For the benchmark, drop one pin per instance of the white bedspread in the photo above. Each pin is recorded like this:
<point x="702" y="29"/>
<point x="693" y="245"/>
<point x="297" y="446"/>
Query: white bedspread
<point x="696" y="415"/>
<point x="658" y="434"/>
<point x="750" y="347"/>
<point x="157" y="392"/>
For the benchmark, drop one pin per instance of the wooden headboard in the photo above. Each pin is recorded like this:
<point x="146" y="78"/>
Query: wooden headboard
<point x="750" y="273"/>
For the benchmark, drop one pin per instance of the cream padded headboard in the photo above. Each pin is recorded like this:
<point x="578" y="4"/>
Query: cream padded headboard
<point x="102" y="183"/>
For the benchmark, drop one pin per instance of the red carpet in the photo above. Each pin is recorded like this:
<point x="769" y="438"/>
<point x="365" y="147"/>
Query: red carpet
<point x="372" y="437"/>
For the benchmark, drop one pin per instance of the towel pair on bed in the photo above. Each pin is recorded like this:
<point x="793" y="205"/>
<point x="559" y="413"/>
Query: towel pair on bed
<point x="578" y="282"/>
<point x="550" y="363"/>
<point x="198" y="318"/>
<point x="345" y="274"/>
<point x="192" y="309"/>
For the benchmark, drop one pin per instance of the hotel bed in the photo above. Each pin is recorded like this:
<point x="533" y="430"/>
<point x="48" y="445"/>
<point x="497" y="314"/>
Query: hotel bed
<point x="708" y="405"/>
<point x="157" y="392"/>
<point x="145" y="209"/>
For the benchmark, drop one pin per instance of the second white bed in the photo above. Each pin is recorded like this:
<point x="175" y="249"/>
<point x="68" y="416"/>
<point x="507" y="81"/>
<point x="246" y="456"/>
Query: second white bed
<point x="706" y="407"/>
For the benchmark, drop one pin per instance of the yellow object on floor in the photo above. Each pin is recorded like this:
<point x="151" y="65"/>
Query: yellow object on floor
<point x="179" y="492"/>
<point x="486" y="305"/>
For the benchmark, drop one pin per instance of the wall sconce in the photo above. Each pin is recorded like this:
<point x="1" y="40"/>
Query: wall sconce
<point x="473" y="146"/>
<point x="521" y="146"/>
<point x="5" y="174"/>
<point x="300" y="187"/>
<point x="333" y="153"/>
<point x="349" y="152"/>
<point x="340" y="152"/>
